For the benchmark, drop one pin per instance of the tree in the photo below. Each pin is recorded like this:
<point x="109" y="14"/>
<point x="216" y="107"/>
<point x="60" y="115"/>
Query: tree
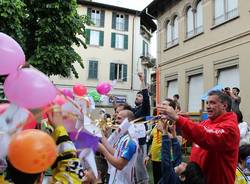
<point x="46" y="30"/>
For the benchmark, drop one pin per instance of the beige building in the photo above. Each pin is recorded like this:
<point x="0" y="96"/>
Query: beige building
<point x="118" y="47"/>
<point x="202" y="43"/>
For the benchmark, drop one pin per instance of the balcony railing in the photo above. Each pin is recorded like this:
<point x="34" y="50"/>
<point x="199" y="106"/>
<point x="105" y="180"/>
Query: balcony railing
<point x="148" y="60"/>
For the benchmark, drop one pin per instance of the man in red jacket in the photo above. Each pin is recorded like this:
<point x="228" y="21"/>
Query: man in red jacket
<point x="216" y="140"/>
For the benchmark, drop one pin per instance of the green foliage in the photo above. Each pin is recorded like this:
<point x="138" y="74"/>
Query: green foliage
<point x="47" y="30"/>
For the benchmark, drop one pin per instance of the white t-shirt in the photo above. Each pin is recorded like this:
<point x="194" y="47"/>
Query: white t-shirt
<point x="125" y="148"/>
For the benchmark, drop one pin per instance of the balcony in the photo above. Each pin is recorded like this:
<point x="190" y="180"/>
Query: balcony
<point x="147" y="60"/>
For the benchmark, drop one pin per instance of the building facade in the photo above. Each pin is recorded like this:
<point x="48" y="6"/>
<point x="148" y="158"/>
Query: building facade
<point x="116" y="44"/>
<point x="202" y="43"/>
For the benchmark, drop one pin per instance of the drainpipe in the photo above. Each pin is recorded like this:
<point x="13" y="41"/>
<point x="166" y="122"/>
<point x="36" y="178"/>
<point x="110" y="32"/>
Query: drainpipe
<point x="132" y="60"/>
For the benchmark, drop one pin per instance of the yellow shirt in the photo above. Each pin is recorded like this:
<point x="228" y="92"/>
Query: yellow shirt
<point x="156" y="145"/>
<point x="239" y="178"/>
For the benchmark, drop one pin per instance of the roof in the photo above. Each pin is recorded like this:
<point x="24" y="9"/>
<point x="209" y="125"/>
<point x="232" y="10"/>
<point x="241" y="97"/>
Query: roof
<point x="148" y="22"/>
<point x="157" y="7"/>
<point x="107" y="6"/>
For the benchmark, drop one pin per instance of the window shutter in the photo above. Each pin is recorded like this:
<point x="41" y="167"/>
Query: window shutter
<point x="143" y="48"/>
<point x="126" y="23"/>
<point x="125" y="72"/>
<point x="89" y="11"/>
<point x="102" y="18"/>
<point x="95" y="69"/>
<point x="112" y="40"/>
<point x="101" y="37"/>
<point x="87" y="36"/>
<point x="125" y="41"/>
<point x="113" y="20"/>
<point x="112" y="71"/>
<point x="90" y="69"/>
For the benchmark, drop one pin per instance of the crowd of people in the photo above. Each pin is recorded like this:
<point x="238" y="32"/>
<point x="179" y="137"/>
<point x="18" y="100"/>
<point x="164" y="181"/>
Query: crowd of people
<point x="220" y="145"/>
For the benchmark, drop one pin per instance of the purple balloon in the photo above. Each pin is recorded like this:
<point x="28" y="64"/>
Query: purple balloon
<point x="29" y="88"/>
<point x="103" y="88"/>
<point x="11" y="55"/>
<point x="68" y="93"/>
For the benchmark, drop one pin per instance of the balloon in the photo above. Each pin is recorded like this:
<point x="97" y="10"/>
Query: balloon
<point x="80" y="90"/>
<point x="60" y="100"/>
<point x="30" y="122"/>
<point x="96" y="96"/>
<point x="29" y="88"/>
<point x="32" y="151"/>
<point x="103" y="88"/>
<point x="12" y="55"/>
<point x="67" y="92"/>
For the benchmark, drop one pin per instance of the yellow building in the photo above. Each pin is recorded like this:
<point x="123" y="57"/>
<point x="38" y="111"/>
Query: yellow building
<point x="117" y="44"/>
<point x="202" y="43"/>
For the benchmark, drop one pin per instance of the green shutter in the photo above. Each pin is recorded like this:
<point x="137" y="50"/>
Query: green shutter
<point x="126" y="23"/>
<point x="113" y="20"/>
<point x="112" y="71"/>
<point x="112" y="40"/>
<point x="101" y="37"/>
<point x="89" y="11"/>
<point x="125" y="41"/>
<point x="87" y="36"/>
<point x="95" y="69"/>
<point x="102" y="18"/>
<point x="90" y="69"/>
<point x="125" y="73"/>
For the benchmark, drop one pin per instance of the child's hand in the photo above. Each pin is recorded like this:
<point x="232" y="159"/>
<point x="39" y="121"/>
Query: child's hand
<point x="55" y="116"/>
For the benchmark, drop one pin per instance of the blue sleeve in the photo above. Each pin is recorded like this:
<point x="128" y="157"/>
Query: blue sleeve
<point x="129" y="150"/>
<point x="176" y="152"/>
<point x="168" y="174"/>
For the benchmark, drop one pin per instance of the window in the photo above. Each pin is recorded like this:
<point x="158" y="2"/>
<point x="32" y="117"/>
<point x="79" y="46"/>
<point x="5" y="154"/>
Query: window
<point x="119" y="41"/>
<point x="194" y="20"/>
<point x="172" y="87"/>
<point x="118" y="72"/>
<point x="97" y="16"/>
<point x="229" y="77"/>
<point x="120" y="21"/>
<point x="225" y="10"/>
<point x="195" y="91"/>
<point x="145" y="49"/>
<point x="172" y="32"/>
<point x="93" y="69"/>
<point x="94" y="37"/>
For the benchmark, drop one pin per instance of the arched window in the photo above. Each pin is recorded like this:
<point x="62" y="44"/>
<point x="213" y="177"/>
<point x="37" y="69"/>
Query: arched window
<point x="225" y="10"/>
<point x="194" y="20"/>
<point x="169" y="33"/>
<point x="172" y="32"/>
<point x="175" y="31"/>
<point x="199" y="18"/>
<point x="190" y="22"/>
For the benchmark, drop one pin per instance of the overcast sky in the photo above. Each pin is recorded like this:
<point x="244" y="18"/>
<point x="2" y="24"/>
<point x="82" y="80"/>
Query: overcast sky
<point x="131" y="4"/>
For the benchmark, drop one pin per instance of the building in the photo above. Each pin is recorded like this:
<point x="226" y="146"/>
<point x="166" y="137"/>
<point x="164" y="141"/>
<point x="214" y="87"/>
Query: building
<point x="118" y="48"/>
<point x="202" y="43"/>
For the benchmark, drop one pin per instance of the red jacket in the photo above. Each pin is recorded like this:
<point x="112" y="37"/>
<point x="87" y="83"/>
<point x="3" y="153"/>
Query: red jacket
<point x="216" y="146"/>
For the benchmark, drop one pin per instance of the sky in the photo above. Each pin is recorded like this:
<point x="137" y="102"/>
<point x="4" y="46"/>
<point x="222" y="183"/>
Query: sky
<point x="135" y="5"/>
<point x="131" y="4"/>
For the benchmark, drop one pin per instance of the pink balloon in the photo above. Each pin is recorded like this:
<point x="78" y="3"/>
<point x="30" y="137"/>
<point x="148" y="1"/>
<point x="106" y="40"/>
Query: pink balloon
<point x="11" y="55"/>
<point x="67" y="92"/>
<point x="103" y="88"/>
<point x="29" y="88"/>
<point x="60" y="100"/>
